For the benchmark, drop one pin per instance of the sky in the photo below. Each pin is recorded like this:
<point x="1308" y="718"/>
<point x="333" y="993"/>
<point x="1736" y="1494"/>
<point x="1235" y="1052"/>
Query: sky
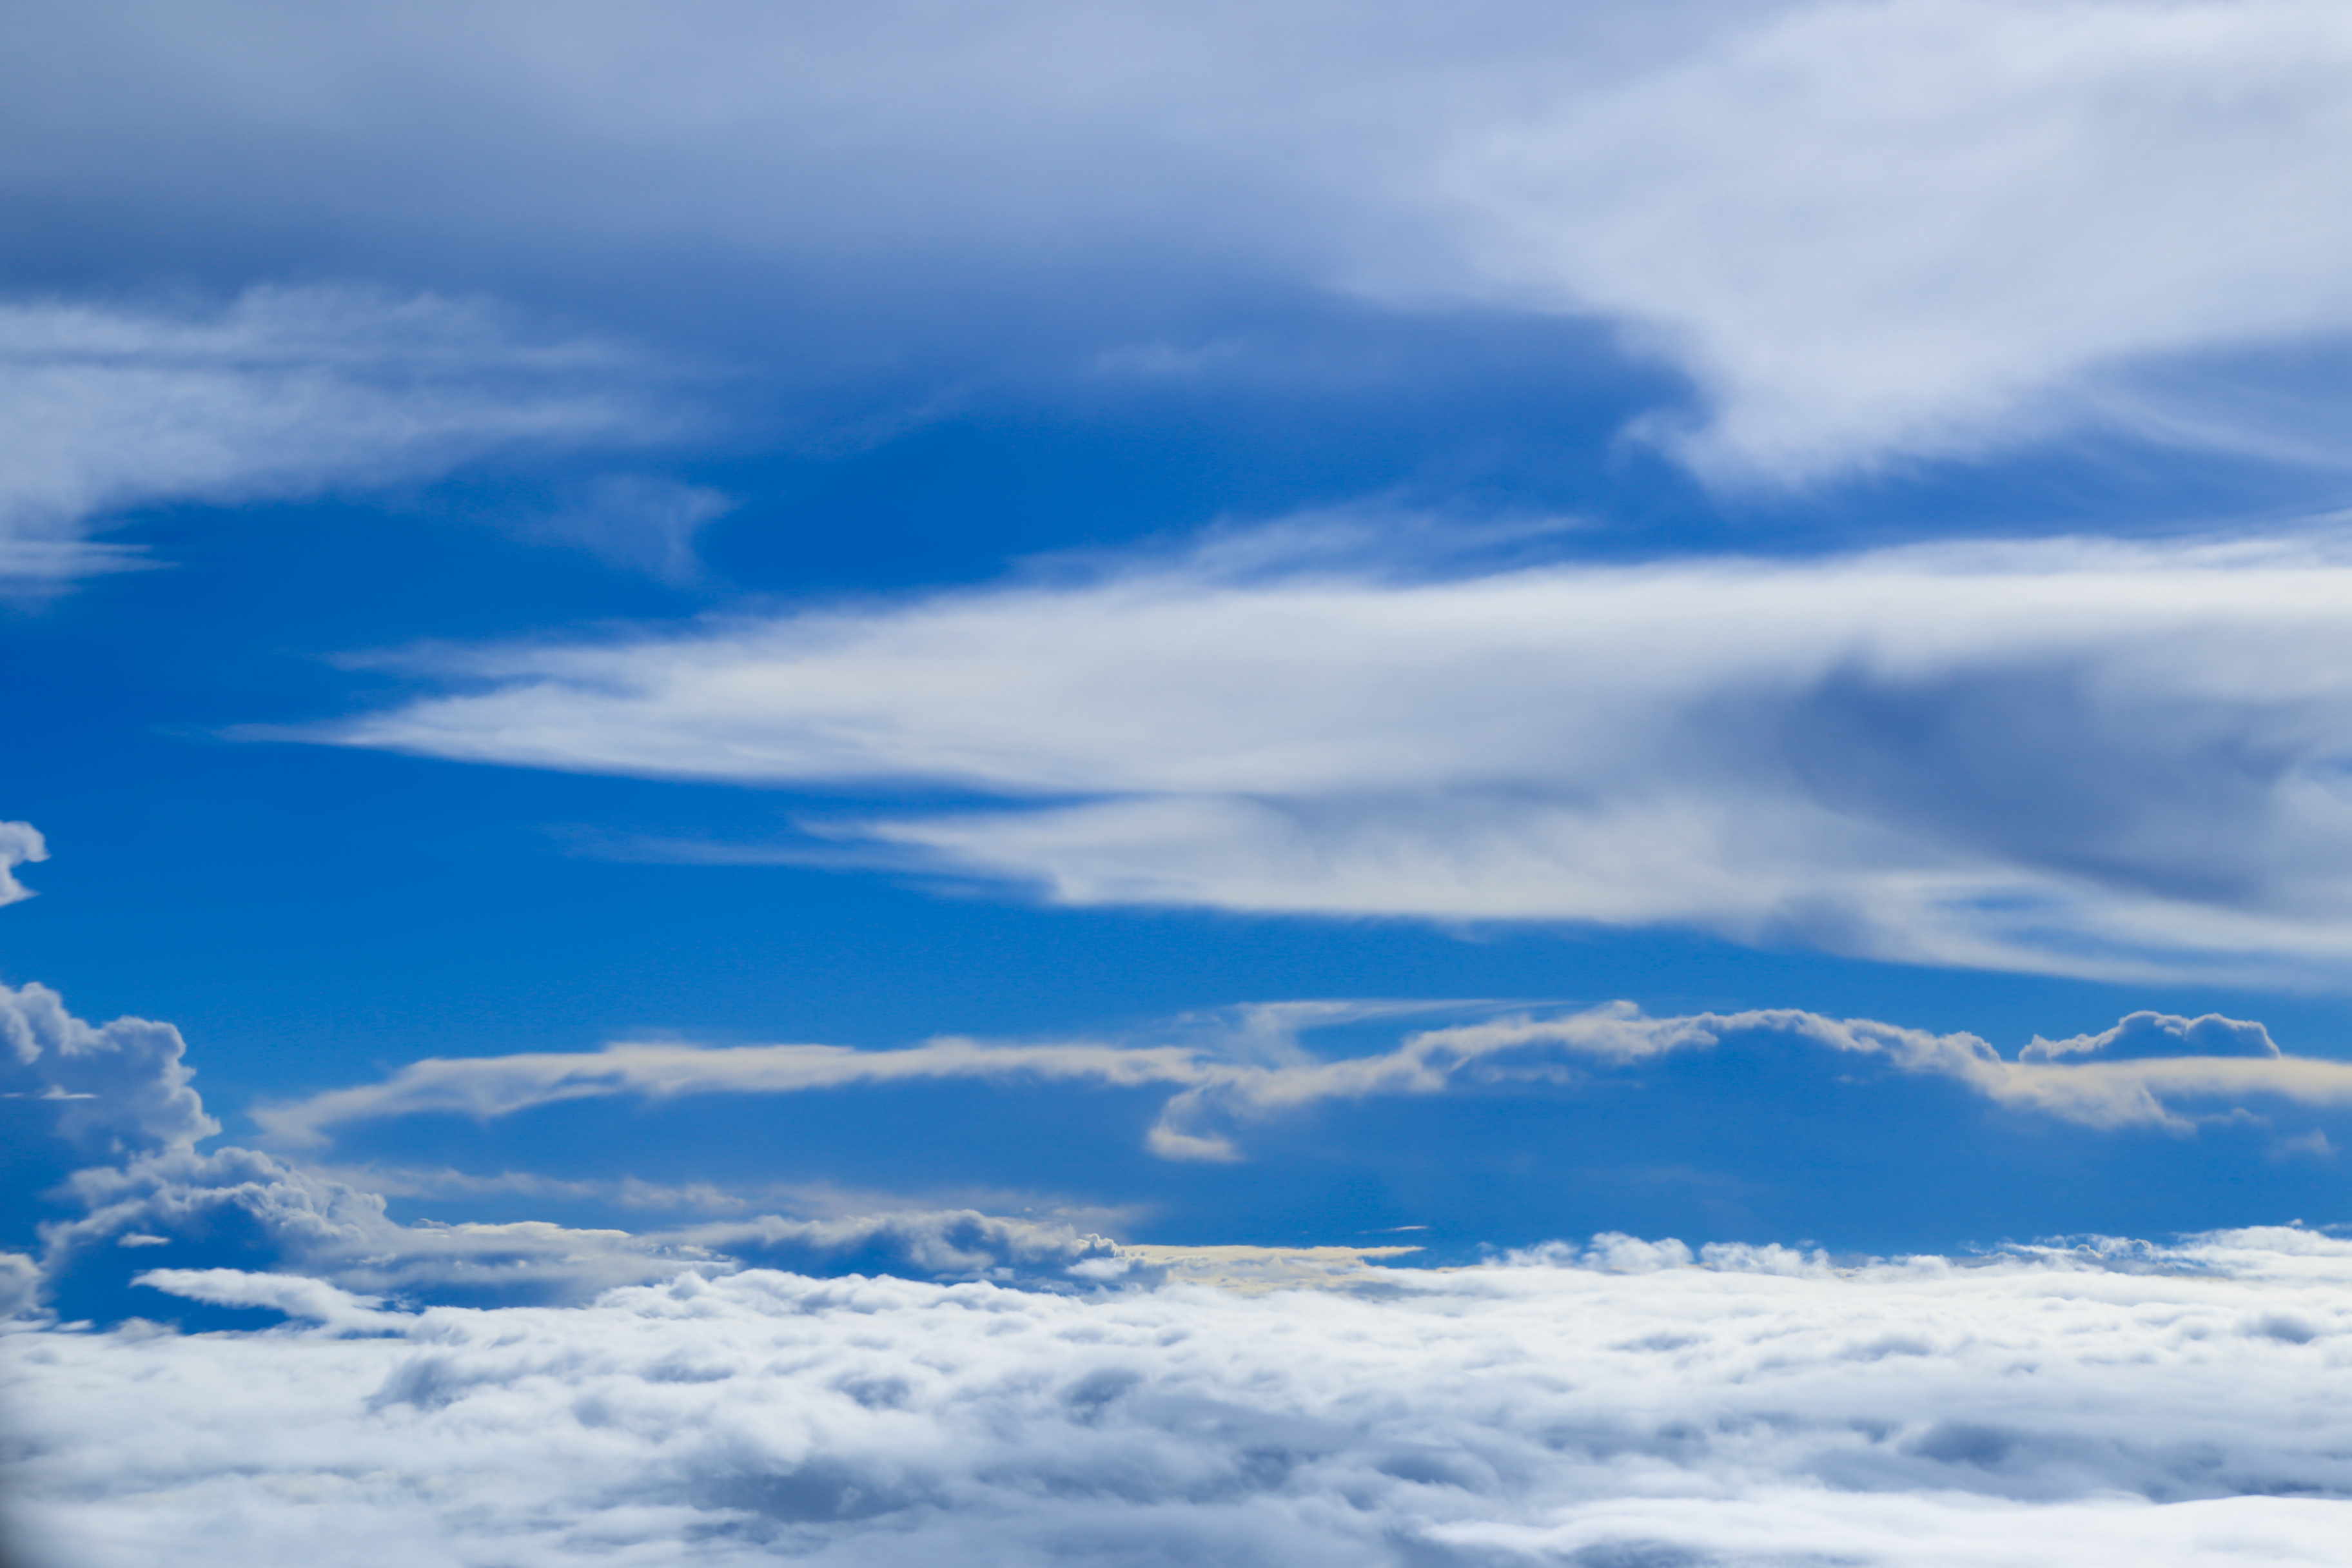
<point x="724" y="721"/>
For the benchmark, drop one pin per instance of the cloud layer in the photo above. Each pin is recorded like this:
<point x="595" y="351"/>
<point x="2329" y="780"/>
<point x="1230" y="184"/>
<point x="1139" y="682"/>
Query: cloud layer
<point x="2020" y="217"/>
<point x="1620" y="1403"/>
<point x="2077" y="757"/>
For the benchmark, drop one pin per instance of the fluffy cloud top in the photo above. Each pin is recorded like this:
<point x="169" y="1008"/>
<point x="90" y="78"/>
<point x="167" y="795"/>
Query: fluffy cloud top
<point x="1624" y="1403"/>
<point x="284" y="392"/>
<point x="1863" y="229"/>
<point x="120" y="1094"/>
<point x="122" y="1088"/>
<point x="2076" y="757"/>
<point x="2144" y="1035"/>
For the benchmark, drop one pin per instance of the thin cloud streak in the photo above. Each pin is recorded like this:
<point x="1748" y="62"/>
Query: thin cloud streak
<point x="2080" y="757"/>
<point x="1215" y="1097"/>
<point x="282" y="393"/>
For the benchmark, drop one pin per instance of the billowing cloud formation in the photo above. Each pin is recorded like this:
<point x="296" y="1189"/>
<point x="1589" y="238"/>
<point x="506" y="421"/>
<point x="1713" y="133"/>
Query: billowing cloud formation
<point x="284" y="392"/>
<point x="121" y="1093"/>
<point x="2078" y="757"/>
<point x="243" y="1204"/>
<point x="1621" y="1403"/>
<point x="2144" y="1035"/>
<point x="122" y="1088"/>
<point x="19" y="842"/>
<point x="1861" y="228"/>
<point x="2151" y="1070"/>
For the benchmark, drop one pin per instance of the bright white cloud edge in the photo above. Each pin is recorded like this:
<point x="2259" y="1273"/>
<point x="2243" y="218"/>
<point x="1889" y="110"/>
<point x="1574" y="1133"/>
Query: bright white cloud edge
<point x="2082" y="757"/>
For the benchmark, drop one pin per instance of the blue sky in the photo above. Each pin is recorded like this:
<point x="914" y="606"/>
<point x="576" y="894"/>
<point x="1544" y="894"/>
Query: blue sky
<point x="1075" y="529"/>
<point x="1044" y="782"/>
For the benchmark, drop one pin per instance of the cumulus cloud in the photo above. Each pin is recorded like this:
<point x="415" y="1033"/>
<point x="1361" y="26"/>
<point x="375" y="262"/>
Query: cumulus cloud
<point x="121" y="1093"/>
<point x="2142" y="1035"/>
<point x="243" y="1204"/>
<point x="2077" y="757"/>
<point x="121" y="1087"/>
<point x="1861" y="229"/>
<point x="1623" y="1402"/>
<point x="283" y="392"/>
<point x="19" y="842"/>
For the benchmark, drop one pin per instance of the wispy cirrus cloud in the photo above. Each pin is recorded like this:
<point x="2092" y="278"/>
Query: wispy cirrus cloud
<point x="2080" y="757"/>
<point x="280" y="393"/>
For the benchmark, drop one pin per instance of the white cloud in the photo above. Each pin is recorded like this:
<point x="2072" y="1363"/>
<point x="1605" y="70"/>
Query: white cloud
<point x="2150" y="1070"/>
<point x="122" y="1092"/>
<point x="312" y="1223"/>
<point x="1932" y="226"/>
<point x="122" y="1088"/>
<point x="19" y="842"/>
<point x="496" y="1086"/>
<point x="1865" y="229"/>
<point x="2078" y="757"/>
<point x="282" y="393"/>
<point x="295" y="1295"/>
<point x="1621" y="1403"/>
<point x="2144" y="1035"/>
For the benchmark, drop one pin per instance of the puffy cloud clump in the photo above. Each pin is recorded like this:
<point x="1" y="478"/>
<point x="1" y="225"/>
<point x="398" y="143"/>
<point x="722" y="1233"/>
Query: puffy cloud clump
<point x="241" y="1205"/>
<point x="1623" y="1402"/>
<point x="111" y="1115"/>
<point x="122" y="1088"/>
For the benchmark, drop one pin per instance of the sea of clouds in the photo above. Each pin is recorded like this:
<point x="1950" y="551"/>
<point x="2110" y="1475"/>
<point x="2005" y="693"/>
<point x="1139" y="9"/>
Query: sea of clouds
<point x="1621" y="1403"/>
<point x="938" y="1386"/>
